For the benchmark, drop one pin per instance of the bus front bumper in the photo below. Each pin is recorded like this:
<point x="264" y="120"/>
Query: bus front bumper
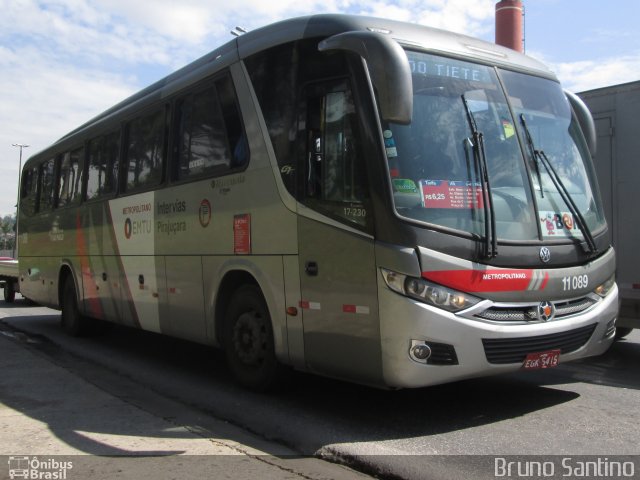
<point x="461" y="347"/>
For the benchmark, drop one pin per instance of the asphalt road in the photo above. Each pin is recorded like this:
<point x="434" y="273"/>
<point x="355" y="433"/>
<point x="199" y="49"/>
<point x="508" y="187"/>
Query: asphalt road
<point x="589" y="407"/>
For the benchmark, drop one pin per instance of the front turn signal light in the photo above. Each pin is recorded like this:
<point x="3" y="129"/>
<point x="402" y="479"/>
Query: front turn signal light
<point x="604" y="288"/>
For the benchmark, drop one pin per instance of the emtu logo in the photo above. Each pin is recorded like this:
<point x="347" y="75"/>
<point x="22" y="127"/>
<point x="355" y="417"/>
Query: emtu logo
<point x="127" y="228"/>
<point x="137" y="227"/>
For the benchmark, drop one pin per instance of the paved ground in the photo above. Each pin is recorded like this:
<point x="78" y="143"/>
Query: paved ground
<point x="449" y="432"/>
<point x="46" y="411"/>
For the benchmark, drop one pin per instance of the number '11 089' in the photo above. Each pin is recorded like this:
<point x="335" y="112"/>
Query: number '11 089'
<point x="575" y="282"/>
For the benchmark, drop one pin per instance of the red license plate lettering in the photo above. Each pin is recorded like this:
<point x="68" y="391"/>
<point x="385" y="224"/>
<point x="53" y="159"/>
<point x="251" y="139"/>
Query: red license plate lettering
<point x="538" y="360"/>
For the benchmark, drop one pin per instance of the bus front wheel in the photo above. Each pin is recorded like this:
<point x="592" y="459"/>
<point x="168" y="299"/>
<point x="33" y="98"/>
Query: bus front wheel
<point x="71" y="320"/>
<point x="248" y="340"/>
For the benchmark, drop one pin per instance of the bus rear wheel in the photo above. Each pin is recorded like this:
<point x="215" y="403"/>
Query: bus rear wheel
<point x="71" y="320"/>
<point x="248" y="340"/>
<point x="9" y="291"/>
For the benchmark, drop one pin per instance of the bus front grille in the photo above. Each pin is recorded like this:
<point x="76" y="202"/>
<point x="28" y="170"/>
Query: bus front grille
<point x="515" y="350"/>
<point x="528" y="313"/>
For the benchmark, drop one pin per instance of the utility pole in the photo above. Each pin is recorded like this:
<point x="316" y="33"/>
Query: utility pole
<point x="15" y="240"/>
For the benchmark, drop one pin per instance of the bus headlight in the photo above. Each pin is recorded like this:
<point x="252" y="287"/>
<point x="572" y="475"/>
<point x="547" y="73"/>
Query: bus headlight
<point x="428" y="292"/>
<point x="604" y="288"/>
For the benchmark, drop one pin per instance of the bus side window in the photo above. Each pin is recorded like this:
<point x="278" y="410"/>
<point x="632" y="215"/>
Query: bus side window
<point x="335" y="180"/>
<point x="145" y="155"/>
<point x="70" y="182"/>
<point x="236" y="137"/>
<point x="102" y="174"/>
<point x="274" y="75"/>
<point x="29" y="192"/>
<point x="208" y="138"/>
<point x="47" y="185"/>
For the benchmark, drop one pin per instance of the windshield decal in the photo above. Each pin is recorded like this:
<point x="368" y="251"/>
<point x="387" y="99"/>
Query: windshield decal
<point x="508" y="128"/>
<point x="451" y="194"/>
<point x="404" y="185"/>
<point x="390" y="144"/>
<point x="560" y="225"/>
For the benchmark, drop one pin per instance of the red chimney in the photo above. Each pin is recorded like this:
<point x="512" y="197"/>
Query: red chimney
<point x="509" y="24"/>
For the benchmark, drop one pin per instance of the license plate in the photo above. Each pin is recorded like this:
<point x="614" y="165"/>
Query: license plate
<point x="548" y="359"/>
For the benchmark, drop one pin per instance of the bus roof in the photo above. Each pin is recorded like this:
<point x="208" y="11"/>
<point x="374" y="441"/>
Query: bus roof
<point x="409" y="35"/>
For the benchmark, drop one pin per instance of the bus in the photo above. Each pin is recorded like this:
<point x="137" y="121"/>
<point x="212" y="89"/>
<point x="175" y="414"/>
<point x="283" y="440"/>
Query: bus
<point x="364" y="199"/>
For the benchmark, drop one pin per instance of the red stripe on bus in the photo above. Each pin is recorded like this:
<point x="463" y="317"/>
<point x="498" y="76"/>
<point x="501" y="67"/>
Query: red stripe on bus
<point x="349" y="308"/>
<point x="126" y="291"/>
<point x="545" y="281"/>
<point x="88" y="283"/>
<point x="497" y="280"/>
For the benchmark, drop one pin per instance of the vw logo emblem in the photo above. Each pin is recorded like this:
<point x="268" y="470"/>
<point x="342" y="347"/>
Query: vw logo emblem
<point x="545" y="255"/>
<point x="546" y="311"/>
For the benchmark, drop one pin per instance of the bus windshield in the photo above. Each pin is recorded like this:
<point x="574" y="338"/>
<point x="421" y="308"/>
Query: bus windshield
<point x="463" y="126"/>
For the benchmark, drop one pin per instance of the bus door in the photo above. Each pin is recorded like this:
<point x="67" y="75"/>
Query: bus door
<point x="336" y="247"/>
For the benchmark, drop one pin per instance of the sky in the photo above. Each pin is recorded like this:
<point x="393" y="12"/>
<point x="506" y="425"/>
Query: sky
<point x="64" y="61"/>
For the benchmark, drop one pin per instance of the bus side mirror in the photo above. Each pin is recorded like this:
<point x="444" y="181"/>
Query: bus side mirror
<point x="388" y="68"/>
<point x="585" y="120"/>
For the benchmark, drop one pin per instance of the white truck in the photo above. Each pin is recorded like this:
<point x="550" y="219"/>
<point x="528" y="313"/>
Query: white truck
<point x="615" y="110"/>
<point x="9" y="278"/>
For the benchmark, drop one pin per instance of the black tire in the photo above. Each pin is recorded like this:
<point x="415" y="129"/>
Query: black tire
<point x="71" y="320"/>
<point x="9" y="292"/>
<point x="622" y="332"/>
<point x="248" y="341"/>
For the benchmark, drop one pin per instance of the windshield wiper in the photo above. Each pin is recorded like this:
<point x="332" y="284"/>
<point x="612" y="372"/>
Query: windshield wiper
<point x="541" y="157"/>
<point x="532" y="152"/>
<point x="491" y="240"/>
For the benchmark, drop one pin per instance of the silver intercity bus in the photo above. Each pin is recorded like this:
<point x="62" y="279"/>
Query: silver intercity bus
<point x="375" y="201"/>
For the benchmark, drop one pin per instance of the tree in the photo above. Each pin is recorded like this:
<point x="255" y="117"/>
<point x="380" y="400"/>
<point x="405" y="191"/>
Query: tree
<point x="7" y="232"/>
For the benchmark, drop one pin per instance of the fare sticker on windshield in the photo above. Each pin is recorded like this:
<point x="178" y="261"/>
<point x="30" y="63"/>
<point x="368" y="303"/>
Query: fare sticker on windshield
<point x="508" y="129"/>
<point x="558" y="225"/>
<point x="451" y="194"/>
<point x="404" y="185"/>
